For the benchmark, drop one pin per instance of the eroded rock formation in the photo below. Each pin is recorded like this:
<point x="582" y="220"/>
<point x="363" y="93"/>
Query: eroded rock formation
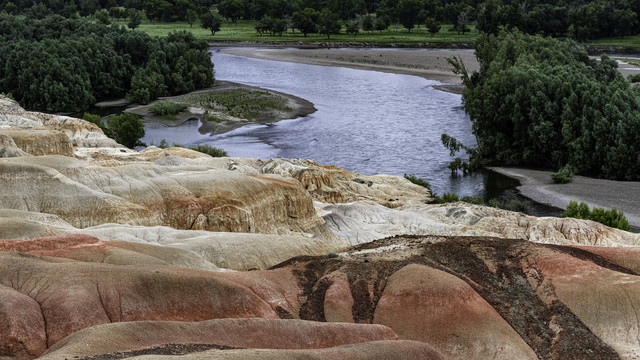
<point x="110" y="252"/>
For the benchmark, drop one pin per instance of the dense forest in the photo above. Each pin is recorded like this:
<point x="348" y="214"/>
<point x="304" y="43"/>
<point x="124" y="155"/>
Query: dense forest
<point x="544" y="103"/>
<point x="58" y="64"/>
<point x="579" y="19"/>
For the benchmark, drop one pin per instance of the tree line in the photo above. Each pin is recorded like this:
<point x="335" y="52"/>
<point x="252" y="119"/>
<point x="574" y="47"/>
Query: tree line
<point x="58" y="64"/>
<point x="578" y="19"/>
<point x="544" y="103"/>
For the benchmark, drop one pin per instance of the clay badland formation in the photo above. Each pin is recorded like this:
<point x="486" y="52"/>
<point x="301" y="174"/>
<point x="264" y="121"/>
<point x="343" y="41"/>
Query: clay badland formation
<point x="111" y="253"/>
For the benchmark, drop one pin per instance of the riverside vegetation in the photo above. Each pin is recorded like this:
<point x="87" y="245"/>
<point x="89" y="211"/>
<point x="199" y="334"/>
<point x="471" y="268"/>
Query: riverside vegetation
<point x="58" y="64"/>
<point x="543" y="103"/>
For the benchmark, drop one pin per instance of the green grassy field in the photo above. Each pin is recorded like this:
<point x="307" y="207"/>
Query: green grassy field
<point x="627" y="41"/>
<point x="244" y="31"/>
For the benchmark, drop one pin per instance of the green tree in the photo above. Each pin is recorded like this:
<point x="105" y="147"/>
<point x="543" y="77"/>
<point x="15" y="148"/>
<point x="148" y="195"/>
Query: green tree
<point x="191" y="17"/>
<point x="11" y="8"/>
<point x="89" y="7"/>
<point x="103" y="16"/>
<point x="231" y="9"/>
<point x="625" y="20"/>
<point x="382" y="23"/>
<point x="305" y="21"/>
<point x="329" y="24"/>
<point x="211" y="21"/>
<point x="368" y="23"/>
<point x="97" y="120"/>
<point x="433" y="26"/>
<point x="407" y="11"/>
<point x="489" y="16"/>
<point x="542" y="102"/>
<point x="146" y="85"/>
<point x="353" y="28"/>
<point x="127" y="129"/>
<point x="135" y="19"/>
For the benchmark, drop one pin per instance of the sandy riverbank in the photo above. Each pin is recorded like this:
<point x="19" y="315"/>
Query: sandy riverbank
<point x="537" y="185"/>
<point x="427" y="63"/>
<point x="299" y="108"/>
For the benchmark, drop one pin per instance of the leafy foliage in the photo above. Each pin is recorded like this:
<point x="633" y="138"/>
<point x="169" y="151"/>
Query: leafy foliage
<point x="127" y="129"/>
<point x="58" y="64"/>
<point x="164" y="108"/>
<point x="211" y="21"/>
<point x="542" y="102"/>
<point x="209" y="150"/>
<point x="563" y="176"/>
<point x="612" y="218"/>
<point x="328" y="24"/>
<point x="419" y="181"/>
<point x="96" y="119"/>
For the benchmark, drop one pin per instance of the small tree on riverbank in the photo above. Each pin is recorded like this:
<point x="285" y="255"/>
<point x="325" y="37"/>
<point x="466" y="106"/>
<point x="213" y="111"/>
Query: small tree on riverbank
<point x="127" y="129"/>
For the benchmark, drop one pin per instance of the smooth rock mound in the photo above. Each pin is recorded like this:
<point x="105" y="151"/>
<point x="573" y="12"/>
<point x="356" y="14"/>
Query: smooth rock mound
<point x="81" y="133"/>
<point x="222" y="333"/>
<point x="188" y="197"/>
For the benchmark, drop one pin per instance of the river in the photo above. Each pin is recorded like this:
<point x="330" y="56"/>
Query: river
<point x="368" y="122"/>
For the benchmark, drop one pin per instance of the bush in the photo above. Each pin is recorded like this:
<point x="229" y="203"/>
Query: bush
<point x="209" y="150"/>
<point x="165" y="108"/>
<point x="97" y="120"/>
<point x="563" y="176"/>
<point x="634" y="78"/>
<point x="127" y="129"/>
<point x="449" y="197"/>
<point x="476" y="200"/>
<point x="419" y="181"/>
<point x="612" y="218"/>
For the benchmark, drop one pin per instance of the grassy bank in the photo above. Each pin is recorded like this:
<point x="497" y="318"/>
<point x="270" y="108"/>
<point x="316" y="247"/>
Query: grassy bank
<point x="631" y="42"/>
<point x="244" y="31"/>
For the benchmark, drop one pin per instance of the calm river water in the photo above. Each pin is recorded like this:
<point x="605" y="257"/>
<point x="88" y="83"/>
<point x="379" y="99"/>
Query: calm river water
<point x="368" y="122"/>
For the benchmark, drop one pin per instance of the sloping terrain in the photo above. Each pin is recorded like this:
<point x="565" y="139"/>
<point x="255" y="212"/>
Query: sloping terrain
<point x="106" y="252"/>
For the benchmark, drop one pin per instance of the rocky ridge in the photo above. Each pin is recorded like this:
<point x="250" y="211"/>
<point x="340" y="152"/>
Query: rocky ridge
<point x="100" y="241"/>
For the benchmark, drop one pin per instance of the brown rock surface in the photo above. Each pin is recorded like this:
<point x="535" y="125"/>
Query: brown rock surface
<point x="375" y="350"/>
<point x="75" y="295"/>
<point x="89" y="249"/>
<point x="81" y="133"/>
<point x="183" y="197"/>
<point x="196" y="249"/>
<point x="8" y="147"/>
<point x="229" y="333"/>
<point x="41" y="142"/>
<point x="471" y="297"/>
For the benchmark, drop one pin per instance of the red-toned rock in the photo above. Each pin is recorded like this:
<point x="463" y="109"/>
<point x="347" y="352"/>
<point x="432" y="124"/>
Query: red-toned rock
<point x="90" y="249"/>
<point x="22" y="334"/>
<point x="75" y="295"/>
<point x="426" y="304"/>
<point x="235" y="333"/>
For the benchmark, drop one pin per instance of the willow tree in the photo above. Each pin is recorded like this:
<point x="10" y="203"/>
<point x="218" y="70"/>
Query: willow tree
<point x="542" y="102"/>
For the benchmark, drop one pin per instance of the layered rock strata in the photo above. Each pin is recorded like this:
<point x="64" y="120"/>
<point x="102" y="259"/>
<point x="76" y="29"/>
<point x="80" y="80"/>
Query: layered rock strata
<point x="133" y="254"/>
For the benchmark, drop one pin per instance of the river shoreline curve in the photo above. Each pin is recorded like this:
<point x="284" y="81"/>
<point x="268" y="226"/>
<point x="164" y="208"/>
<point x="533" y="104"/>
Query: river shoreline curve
<point x="537" y="186"/>
<point x="430" y="64"/>
<point x="299" y="108"/>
